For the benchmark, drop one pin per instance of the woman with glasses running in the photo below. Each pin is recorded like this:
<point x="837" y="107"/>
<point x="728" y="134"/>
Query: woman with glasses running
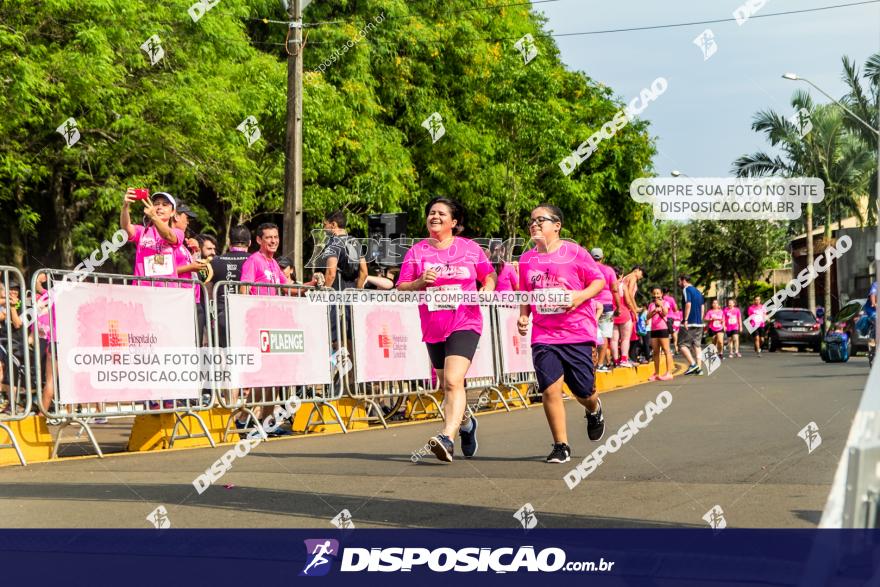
<point x="563" y="336"/>
<point x="449" y="263"/>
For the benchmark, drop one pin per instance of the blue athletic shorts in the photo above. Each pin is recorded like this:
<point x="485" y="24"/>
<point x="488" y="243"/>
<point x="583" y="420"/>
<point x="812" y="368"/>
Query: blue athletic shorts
<point x="572" y="362"/>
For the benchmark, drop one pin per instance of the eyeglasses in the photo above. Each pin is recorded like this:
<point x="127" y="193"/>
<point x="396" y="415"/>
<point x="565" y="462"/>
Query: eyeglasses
<point x="542" y="220"/>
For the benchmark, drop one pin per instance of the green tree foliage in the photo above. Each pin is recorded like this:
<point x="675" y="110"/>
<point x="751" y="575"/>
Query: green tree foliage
<point x="172" y="125"/>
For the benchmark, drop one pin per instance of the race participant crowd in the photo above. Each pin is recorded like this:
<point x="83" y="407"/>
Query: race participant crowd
<point x="602" y="328"/>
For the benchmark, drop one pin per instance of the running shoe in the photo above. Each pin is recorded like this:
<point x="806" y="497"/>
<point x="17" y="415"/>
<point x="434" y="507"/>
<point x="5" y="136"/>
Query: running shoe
<point x="626" y="363"/>
<point x="666" y="377"/>
<point x="561" y="453"/>
<point x="442" y="447"/>
<point x="596" y="424"/>
<point x="738" y="355"/>
<point x="603" y="369"/>
<point x="730" y="356"/>
<point x="654" y="377"/>
<point x="692" y="369"/>
<point x="469" y="444"/>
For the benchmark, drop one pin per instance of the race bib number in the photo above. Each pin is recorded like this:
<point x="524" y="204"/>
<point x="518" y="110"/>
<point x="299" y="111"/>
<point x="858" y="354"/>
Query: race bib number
<point x="732" y="320"/>
<point x="158" y="265"/>
<point x="444" y="297"/>
<point x="557" y="301"/>
<point x="716" y="324"/>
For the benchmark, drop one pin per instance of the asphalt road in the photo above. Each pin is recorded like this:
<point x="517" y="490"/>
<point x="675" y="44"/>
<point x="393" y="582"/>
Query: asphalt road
<point x="728" y="439"/>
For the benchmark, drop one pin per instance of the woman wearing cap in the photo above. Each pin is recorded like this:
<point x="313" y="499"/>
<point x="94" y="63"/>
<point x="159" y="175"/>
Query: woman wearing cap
<point x="451" y="331"/>
<point x="155" y="240"/>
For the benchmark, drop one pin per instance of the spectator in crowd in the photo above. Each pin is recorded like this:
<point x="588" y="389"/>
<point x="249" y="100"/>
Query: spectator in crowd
<point x="341" y="258"/>
<point x="188" y="266"/>
<point x="183" y="215"/>
<point x="692" y="314"/>
<point x="227" y="267"/>
<point x="207" y="246"/>
<point x="673" y="316"/>
<point x="383" y="279"/>
<point x="508" y="275"/>
<point x="11" y="348"/>
<point x="261" y="266"/>
<point x="287" y="268"/>
<point x="156" y="239"/>
<point x="609" y="297"/>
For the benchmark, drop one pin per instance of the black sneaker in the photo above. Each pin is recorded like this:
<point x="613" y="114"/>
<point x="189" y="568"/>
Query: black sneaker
<point x="442" y="447"/>
<point x="692" y="369"/>
<point x="596" y="424"/>
<point x="561" y="453"/>
<point x="469" y="443"/>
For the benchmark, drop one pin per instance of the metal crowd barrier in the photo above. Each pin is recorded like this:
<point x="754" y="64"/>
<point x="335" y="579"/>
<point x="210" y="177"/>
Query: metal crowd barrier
<point x="249" y="400"/>
<point x="15" y="381"/>
<point x="84" y="414"/>
<point x="395" y="388"/>
<point x="511" y="378"/>
<point x="487" y="385"/>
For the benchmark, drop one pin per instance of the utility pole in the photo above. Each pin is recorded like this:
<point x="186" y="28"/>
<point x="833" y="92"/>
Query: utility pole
<point x="293" y="185"/>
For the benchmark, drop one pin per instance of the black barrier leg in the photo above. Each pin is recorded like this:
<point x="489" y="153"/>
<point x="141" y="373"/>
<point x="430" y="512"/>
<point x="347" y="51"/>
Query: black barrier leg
<point x="13" y="444"/>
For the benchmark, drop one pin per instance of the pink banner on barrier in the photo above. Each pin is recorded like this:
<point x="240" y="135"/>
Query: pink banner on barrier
<point x="292" y="334"/>
<point x="516" y="350"/>
<point x="388" y="344"/>
<point x="92" y="315"/>
<point x="483" y="364"/>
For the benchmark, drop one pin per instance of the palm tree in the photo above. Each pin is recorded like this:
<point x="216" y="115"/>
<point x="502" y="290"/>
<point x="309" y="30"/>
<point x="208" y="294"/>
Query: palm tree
<point x="783" y="134"/>
<point x="829" y="151"/>
<point x="866" y="105"/>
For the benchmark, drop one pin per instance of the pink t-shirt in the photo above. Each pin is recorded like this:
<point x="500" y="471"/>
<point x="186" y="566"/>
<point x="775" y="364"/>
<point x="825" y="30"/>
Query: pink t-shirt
<point x="609" y="276"/>
<point x="260" y="269"/>
<point x="715" y="318"/>
<point x="731" y="318"/>
<point x="183" y="256"/>
<point x="507" y="279"/>
<point x="461" y="264"/>
<point x="571" y="268"/>
<point x="45" y="327"/>
<point x="658" y="322"/>
<point x="671" y="301"/>
<point x="676" y="319"/>
<point x="761" y="311"/>
<point x="148" y="245"/>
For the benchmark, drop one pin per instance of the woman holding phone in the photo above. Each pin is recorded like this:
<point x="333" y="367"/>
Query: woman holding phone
<point x="155" y="240"/>
<point x="447" y="262"/>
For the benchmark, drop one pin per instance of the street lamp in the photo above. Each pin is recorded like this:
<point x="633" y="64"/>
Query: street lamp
<point x="795" y="77"/>
<point x="677" y="173"/>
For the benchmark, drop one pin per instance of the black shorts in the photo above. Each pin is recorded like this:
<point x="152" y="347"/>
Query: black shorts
<point x="572" y="362"/>
<point x="660" y="333"/>
<point x="461" y="343"/>
<point x="732" y="332"/>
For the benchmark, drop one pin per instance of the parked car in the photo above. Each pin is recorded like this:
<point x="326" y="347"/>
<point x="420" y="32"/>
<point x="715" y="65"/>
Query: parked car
<point x="848" y="316"/>
<point x="795" y="327"/>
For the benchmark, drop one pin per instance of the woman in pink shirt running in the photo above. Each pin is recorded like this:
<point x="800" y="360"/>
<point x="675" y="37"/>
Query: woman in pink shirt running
<point x="658" y="312"/>
<point x="732" y="326"/>
<point x="715" y="321"/>
<point x="563" y="337"/>
<point x="450" y="263"/>
<point x="758" y="310"/>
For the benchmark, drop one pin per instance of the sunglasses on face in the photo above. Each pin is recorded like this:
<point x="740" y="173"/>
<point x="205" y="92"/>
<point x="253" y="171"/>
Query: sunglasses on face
<point x="542" y="220"/>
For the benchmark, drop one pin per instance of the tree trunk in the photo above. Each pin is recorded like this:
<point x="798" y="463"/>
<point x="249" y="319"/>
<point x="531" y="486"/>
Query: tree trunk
<point x="64" y="221"/>
<point x="811" y="289"/>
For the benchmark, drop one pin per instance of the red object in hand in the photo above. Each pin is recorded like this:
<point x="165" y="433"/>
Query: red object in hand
<point x="141" y="194"/>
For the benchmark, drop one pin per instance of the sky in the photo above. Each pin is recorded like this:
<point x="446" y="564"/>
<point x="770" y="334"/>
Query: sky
<point x="702" y="122"/>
